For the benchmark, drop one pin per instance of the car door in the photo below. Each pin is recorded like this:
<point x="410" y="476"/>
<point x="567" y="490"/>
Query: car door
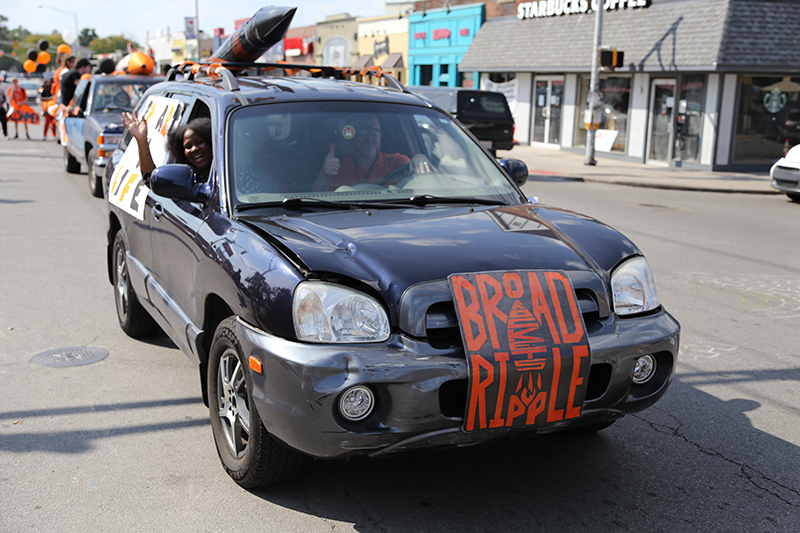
<point x="175" y="225"/>
<point x="74" y="120"/>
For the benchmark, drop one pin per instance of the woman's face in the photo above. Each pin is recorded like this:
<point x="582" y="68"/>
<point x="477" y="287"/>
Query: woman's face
<point x="197" y="151"/>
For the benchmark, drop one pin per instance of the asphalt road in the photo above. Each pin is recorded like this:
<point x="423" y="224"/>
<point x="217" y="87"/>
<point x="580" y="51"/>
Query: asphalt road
<point x="124" y="443"/>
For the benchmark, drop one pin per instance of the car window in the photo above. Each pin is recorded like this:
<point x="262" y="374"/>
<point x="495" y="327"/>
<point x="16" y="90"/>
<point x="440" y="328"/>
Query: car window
<point x="278" y="151"/>
<point x="117" y="96"/>
<point x="485" y="103"/>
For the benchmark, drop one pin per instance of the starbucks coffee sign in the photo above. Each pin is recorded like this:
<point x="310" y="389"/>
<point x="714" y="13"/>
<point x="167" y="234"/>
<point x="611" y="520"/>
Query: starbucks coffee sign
<point x="553" y="8"/>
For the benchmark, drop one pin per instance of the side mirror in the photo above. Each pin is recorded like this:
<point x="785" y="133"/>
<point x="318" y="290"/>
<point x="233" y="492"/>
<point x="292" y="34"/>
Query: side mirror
<point x="178" y="182"/>
<point x="516" y="170"/>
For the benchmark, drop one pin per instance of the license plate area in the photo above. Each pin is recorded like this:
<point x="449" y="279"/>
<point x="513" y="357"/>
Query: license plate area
<point x="526" y="346"/>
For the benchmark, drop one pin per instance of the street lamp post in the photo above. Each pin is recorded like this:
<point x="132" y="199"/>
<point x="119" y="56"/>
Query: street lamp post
<point x="74" y="14"/>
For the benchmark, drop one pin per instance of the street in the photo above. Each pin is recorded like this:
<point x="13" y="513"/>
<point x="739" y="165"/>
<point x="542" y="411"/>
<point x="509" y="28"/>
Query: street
<point x="125" y="443"/>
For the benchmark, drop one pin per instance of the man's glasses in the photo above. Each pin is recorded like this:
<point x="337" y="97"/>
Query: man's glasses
<point x="373" y="132"/>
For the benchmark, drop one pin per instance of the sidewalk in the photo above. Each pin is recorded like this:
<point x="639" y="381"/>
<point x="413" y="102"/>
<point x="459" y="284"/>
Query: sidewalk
<point x="553" y="163"/>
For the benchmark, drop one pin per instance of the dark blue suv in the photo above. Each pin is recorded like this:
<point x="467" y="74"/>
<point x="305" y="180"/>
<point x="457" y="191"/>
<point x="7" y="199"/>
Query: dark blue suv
<point x="356" y="275"/>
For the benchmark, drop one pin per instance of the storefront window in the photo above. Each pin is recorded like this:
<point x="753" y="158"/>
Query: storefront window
<point x="502" y="77"/>
<point x="767" y="119"/>
<point x="614" y="109"/>
<point x="689" y="117"/>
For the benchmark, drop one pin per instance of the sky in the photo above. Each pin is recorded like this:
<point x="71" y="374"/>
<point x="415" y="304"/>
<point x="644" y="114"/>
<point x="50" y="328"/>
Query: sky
<point x="135" y="18"/>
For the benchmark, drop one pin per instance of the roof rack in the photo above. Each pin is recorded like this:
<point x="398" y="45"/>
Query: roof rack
<point x="229" y="69"/>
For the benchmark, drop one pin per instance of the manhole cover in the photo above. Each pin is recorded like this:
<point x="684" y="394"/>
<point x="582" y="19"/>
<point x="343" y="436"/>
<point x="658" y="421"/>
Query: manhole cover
<point x="76" y="356"/>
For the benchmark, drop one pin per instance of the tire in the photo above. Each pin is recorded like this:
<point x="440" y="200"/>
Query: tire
<point x="793" y="197"/>
<point x="133" y="319"/>
<point x="71" y="164"/>
<point x="250" y="455"/>
<point x="95" y="181"/>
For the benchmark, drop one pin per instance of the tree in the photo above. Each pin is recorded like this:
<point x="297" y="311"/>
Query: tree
<point x="87" y="36"/>
<point x="106" y="45"/>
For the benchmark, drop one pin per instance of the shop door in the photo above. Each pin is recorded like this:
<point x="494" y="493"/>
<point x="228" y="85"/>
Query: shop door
<point x="548" y="98"/>
<point x="659" y="143"/>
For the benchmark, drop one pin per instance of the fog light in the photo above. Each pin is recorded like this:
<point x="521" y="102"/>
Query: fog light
<point x="644" y="369"/>
<point x="356" y="403"/>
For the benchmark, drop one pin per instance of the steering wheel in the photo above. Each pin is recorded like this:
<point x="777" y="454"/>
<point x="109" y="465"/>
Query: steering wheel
<point x="396" y="175"/>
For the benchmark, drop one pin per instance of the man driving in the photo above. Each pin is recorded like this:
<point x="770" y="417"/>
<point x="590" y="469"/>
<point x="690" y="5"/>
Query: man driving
<point x="366" y="163"/>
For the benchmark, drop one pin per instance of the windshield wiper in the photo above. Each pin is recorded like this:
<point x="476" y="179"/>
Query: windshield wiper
<point x="299" y="202"/>
<point x="428" y="199"/>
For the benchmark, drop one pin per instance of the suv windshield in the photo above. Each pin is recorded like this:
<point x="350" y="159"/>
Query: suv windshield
<point x="356" y="151"/>
<point x="118" y="96"/>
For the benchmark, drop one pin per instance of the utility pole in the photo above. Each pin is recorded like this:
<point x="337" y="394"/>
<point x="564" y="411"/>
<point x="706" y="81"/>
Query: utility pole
<point x="594" y="94"/>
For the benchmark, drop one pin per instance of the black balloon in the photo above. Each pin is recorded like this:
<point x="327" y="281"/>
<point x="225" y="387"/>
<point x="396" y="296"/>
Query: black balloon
<point x="32" y="55"/>
<point x="41" y="69"/>
<point x="43" y="45"/>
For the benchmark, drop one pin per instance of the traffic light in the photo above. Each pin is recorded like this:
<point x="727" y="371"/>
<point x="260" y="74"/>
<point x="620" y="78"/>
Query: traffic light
<point x="612" y="58"/>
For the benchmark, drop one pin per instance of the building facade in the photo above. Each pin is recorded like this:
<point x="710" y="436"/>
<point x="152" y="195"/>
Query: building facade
<point x="383" y="42"/>
<point x="711" y="84"/>
<point x="438" y="40"/>
<point x="338" y="41"/>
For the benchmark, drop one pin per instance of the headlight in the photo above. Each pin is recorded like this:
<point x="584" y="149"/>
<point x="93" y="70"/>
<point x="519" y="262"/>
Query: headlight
<point x="324" y="312"/>
<point x="633" y="287"/>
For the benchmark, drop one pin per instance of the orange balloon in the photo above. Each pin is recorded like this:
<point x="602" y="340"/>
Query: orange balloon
<point x="43" y="58"/>
<point x="29" y="66"/>
<point x="140" y="63"/>
<point x="63" y="47"/>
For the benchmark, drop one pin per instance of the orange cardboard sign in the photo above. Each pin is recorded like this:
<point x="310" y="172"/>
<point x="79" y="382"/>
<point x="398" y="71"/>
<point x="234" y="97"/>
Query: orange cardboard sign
<point x="526" y="346"/>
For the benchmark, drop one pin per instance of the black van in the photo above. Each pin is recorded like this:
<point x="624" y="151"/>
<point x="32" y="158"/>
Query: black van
<point x="484" y="113"/>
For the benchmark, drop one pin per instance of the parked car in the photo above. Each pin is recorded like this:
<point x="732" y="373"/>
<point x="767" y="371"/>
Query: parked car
<point x="31" y="86"/>
<point x="428" y="307"/>
<point x="484" y="113"/>
<point x="93" y="125"/>
<point x="785" y="174"/>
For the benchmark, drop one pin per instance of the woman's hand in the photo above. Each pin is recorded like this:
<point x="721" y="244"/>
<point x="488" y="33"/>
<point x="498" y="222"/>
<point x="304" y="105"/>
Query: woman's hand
<point x="137" y="126"/>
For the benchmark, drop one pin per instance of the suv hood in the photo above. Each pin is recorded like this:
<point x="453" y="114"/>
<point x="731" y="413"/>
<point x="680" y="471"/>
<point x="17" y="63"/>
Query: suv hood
<point x="393" y="249"/>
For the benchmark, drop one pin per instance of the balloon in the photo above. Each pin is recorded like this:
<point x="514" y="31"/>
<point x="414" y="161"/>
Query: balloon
<point x="63" y="48"/>
<point x="140" y="63"/>
<point x="43" y="45"/>
<point x="69" y="36"/>
<point x="43" y="58"/>
<point x="29" y="66"/>
<point x="32" y="55"/>
<point x="41" y="69"/>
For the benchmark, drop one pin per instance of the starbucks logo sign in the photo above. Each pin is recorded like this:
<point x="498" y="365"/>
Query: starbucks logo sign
<point x="774" y="100"/>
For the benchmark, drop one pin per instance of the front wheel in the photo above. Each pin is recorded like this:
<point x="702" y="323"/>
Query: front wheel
<point x="793" y="196"/>
<point x="71" y="163"/>
<point x="250" y="455"/>
<point x="133" y="318"/>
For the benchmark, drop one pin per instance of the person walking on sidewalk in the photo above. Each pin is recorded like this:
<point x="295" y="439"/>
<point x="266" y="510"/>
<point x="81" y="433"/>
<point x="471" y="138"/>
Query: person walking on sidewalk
<point x="48" y="99"/>
<point x="4" y="88"/>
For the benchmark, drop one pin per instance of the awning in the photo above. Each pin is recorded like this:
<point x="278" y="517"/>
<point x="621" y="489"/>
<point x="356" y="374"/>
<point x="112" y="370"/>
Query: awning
<point x="393" y="61"/>
<point x="364" y="61"/>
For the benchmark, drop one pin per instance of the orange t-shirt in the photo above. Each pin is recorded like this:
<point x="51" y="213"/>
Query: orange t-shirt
<point x="351" y="174"/>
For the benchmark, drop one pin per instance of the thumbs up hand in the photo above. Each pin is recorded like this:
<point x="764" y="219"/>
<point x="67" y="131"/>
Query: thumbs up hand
<point x="330" y="166"/>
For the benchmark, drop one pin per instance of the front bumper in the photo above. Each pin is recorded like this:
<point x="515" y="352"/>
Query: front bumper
<point x="421" y="392"/>
<point x="785" y="178"/>
<point x="99" y="165"/>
